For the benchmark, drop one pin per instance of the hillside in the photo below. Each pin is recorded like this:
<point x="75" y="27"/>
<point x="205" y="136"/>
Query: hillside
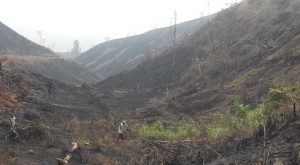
<point x="247" y="51"/>
<point x="240" y="53"/>
<point x="115" y="56"/>
<point x="13" y="43"/>
<point x="55" y="68"/>
<point x="66" y="55"/>
<point x="37" y="59"/>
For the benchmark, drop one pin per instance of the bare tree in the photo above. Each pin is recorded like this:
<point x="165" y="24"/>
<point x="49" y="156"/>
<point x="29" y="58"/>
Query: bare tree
<point x="107" y="38"/>
<point x="43" y="42"/>
<point x="53" y="45"/>
<point x="76" y="48"/>
<point x="208" y="7"/>
<point x="174" y="35"/>
<point x="40" y="33"/>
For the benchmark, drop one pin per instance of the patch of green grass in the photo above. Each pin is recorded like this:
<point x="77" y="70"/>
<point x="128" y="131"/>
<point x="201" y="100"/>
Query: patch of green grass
<point x="156" y="130"/>
<point x="243" y="123"/>
<point x="241" y="80"/>
<point x="213" y="131"/>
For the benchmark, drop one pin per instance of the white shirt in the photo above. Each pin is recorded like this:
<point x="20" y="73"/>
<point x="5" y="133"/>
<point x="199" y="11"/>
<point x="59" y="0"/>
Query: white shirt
<point x="121" y="128"/>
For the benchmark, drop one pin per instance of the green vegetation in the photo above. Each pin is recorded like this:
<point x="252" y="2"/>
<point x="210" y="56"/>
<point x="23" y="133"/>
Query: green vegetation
<point x="281" y="93"/>
<point x="243" y="78"/>
<point x="156" y="130"/>
<point x="244" y="122"/>
<point x="280" y="99"/>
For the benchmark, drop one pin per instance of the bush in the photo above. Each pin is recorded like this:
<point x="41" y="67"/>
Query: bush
<point x="244" y="123"/>
<point x="156" y="130"/>
<point x="277" y="95"/>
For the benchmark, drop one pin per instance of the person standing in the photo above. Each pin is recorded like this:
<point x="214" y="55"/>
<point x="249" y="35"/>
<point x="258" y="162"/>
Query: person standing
<point x="121" y="130"/>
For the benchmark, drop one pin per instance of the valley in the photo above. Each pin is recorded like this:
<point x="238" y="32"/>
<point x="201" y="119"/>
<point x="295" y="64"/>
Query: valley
<point x="228" y="93"/>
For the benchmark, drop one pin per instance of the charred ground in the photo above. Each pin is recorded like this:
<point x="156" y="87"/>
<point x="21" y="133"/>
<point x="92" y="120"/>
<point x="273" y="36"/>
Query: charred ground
<point x="243" y="53"/>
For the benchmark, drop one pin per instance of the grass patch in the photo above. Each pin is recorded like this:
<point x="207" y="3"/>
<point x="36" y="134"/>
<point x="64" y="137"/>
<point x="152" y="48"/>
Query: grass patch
<point x="157" y="130"/>
<point x="241" y="80"/>
<point x="241" y="124"/>
<point x="244" y="122"/>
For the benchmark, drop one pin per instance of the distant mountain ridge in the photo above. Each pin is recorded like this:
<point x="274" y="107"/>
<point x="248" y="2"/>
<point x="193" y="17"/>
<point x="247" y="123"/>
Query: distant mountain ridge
<point x="115" y="56"/>
<point x="13" y="43"/>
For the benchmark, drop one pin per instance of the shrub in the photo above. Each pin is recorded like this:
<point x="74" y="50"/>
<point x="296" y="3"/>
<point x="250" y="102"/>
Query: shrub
<point x="245" y="121"/>
<point x="279" y="94"/>
<point x="240" y="108"/>
<point x="241" y="124"/>
<point x="280" y="99"/>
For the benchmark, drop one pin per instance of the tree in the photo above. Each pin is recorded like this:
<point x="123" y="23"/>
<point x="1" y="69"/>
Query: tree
<point x="174" y="35"/>
<point x="76" y="50"/>
<point x="53" y="45"/>
<point x="107" y="38"/>
<point x="40" y="33"/>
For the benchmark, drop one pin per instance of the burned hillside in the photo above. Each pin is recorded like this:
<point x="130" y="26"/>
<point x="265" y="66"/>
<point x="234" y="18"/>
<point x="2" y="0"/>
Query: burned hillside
<point x="228" y="94"/>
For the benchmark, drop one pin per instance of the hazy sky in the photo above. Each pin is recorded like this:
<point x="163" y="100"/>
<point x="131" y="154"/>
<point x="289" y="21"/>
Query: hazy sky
<point x="89" y="21"/>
